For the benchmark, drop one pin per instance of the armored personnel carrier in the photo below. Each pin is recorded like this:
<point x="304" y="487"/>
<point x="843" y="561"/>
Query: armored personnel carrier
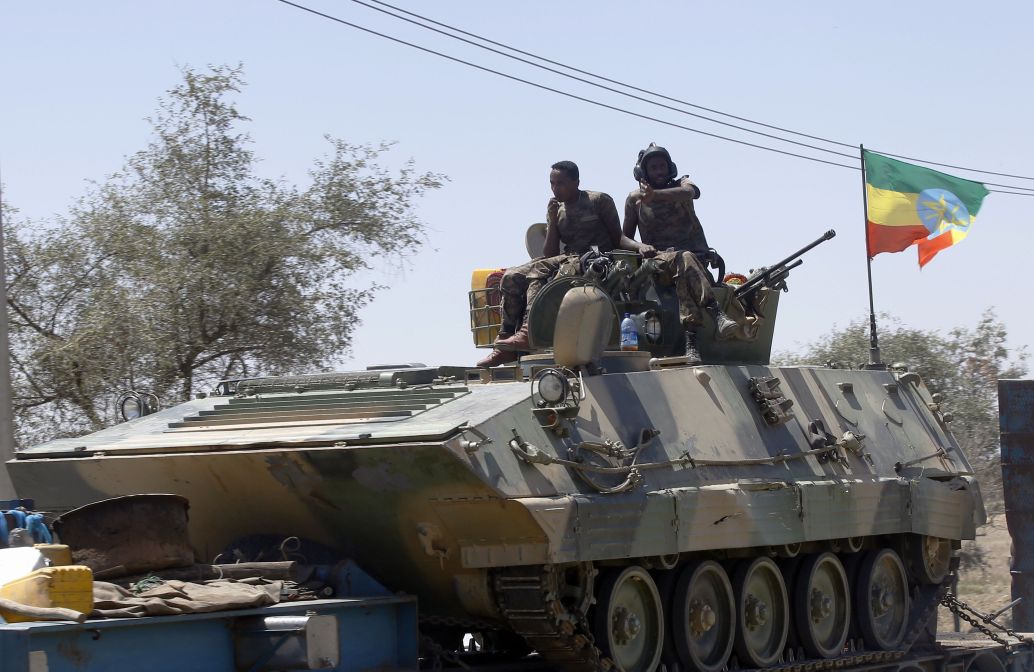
<point x="607" y="509"/>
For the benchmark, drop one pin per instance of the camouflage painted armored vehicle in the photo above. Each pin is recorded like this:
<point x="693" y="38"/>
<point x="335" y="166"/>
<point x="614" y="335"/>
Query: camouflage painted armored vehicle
<point x="610" y="508"/>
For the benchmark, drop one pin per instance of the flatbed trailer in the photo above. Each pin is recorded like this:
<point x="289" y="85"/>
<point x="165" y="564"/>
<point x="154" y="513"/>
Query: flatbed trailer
<point x="365" y="628"/>
<point x="958" y="652"/>
<point x="951" y="652"/>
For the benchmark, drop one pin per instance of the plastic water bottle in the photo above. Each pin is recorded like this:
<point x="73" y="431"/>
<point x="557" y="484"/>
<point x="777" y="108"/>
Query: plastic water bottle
<point x="629" y="334"/>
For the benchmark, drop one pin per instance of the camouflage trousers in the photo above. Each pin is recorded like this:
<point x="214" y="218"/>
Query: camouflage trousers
<point x="692" y="284"/>
<point x="521" y="284"/>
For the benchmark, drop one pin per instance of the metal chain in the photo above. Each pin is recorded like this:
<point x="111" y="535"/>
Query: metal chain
<point x="963" y="611"/>
<point x="471" y="624"/>
<point x="924" y="608"/>
<point x="439" y="654"/>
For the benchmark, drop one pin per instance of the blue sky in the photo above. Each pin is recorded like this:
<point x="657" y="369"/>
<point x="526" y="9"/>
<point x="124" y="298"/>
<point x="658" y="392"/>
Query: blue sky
<point x="940" y="81"/>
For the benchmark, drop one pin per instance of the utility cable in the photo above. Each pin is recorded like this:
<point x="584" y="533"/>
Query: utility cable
<point x="948" y="165"/>
<point x="1013" y="193"/>
<point x="665" y="97"/>
<point x="630" y="112"/>
<point x="591" y="83"/>
<point x="614" y="81"/>
<point x="1008" y="186"/>
<point x="558" y="91"/>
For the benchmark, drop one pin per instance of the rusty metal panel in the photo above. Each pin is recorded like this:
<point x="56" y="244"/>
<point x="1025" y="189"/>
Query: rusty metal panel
<point x="1023" y="613"/>
<point x="1016" y="423"/>
<point x="1016" y="409"/>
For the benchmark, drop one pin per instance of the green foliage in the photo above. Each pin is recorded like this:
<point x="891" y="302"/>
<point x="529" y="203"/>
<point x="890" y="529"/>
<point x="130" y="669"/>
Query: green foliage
<point x="187" y="267"/>
<point x="964" y="365"/>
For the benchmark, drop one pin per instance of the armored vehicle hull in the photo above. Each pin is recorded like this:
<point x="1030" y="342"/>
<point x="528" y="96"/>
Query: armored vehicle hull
<point x="612" y="509"/>
<point x="663" y="513"/>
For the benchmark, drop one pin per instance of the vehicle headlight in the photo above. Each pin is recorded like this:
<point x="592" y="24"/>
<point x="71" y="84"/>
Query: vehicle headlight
<point x="552" y="386"/>
<point x="132" y="405"/>
<point x="130" y="408"/>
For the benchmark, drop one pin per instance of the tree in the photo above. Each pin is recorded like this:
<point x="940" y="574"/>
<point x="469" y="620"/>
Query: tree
<point x="964" y="366"/>
<point x="187" y="267"/>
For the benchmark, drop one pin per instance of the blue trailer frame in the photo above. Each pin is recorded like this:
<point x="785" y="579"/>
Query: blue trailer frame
<point x="374" y="631"/>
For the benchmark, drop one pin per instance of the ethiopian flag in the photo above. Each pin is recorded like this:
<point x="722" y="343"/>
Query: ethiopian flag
<point x="910" y="205"/>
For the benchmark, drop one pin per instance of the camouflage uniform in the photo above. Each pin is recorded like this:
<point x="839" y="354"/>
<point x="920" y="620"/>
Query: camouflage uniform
<point x="581" y="227"/>
<point x="675" y="230"/>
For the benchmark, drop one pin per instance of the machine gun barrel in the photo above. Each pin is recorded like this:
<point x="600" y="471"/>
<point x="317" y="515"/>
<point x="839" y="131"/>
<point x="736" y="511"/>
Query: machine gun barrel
<point x="780" y="267"/>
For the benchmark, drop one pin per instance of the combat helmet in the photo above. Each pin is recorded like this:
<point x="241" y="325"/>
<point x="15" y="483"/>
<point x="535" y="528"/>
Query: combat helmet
<point x="639" y="172"/>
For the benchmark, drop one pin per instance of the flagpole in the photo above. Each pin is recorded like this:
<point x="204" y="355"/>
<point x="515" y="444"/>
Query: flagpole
<point x="874" y="343"/>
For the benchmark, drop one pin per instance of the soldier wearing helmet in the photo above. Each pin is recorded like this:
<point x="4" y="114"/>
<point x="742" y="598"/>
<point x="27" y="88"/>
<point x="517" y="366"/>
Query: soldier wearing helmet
<point x="662" y="210"/>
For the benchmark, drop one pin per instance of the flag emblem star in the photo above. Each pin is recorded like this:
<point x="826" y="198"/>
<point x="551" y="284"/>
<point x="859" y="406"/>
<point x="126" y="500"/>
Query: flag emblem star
<point x="940" y="211"/>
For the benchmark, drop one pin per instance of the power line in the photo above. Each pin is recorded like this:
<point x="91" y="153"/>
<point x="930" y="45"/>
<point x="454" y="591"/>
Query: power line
<point x="614" y="81"/>
<point x="624" y="110"/>
<point x="586" y="81"/>
<point x="1008" y="186"/>
<point x="948" y="165"/>
<point x="1014" y="193"/>
<point x="558" y="91"/>
<point x="665" y="97"/>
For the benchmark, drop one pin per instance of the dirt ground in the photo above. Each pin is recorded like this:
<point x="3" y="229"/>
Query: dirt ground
<point x="984" y="581"/>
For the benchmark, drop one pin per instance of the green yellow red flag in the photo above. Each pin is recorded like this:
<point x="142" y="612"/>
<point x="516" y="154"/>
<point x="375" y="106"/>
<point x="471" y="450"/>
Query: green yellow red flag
<point x="910" y="205"/>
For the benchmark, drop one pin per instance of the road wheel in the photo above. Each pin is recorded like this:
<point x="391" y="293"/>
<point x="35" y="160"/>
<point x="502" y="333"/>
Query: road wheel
<point x="822" y="605"/>
<point x="762" y="612"/>
<point x="882" y="600"/>
<point x="703" y="617"/>
<point x="629" y="619"/>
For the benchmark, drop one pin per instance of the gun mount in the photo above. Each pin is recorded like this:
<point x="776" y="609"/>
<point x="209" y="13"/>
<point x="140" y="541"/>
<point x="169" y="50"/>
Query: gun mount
<point x="637" y="286"/>
<point x="774" y="276"/>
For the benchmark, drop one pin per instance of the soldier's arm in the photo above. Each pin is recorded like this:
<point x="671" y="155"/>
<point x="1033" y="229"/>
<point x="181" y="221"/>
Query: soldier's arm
<point x="686" y="191"/>
<point x="552" y="245"/>
<point x="608" y="215"/>
<point x="551" y="248"/>
<point x="631" y="215"/>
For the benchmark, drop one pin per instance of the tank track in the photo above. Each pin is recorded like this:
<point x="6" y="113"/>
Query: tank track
<point x="529" y="599"/>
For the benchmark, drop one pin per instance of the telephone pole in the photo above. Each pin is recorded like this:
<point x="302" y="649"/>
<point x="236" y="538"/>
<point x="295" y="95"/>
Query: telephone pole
<point x="6" y="416"/>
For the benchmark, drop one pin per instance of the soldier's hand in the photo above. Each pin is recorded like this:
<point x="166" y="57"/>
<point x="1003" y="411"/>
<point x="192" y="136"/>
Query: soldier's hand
<point x="647" y="192"/>
<point x="553" y="211"/>
<point x="647" y="250"/>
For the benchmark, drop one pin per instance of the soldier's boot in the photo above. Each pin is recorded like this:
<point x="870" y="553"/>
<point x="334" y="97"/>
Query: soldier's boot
<point x="496" y="358"/>
<point x="725" y="326"/>
<point x="692" y="354"/>
<point x="517" y="342"/>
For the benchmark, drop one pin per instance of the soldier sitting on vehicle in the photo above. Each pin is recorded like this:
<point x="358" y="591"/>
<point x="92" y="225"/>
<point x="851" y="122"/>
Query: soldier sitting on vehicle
<point x="662" y="210"/>
<point x="580" y="220"/>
